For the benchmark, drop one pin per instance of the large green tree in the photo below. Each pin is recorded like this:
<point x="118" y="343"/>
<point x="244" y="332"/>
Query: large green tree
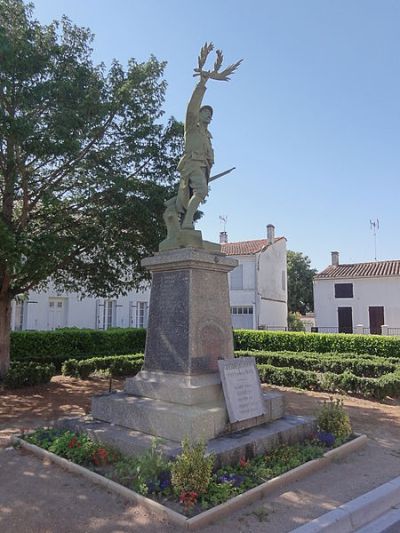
<point x="300" y="283"/>
<point x="85" y="163"/>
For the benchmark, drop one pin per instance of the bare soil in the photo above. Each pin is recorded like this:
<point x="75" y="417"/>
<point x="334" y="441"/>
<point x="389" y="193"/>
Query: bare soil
<point x="38" y="497"/>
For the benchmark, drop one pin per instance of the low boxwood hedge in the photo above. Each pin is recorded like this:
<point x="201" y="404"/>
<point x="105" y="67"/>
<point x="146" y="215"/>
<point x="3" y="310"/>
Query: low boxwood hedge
<point x="360" y="366"/>
<point x="117" y="365"/>
<point x="378" y="388"/>
<point x="28" y="374"/>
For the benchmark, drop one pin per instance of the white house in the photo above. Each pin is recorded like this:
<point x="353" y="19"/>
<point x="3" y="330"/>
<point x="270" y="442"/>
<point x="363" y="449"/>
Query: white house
<point x="258" y="285"/>
<point x="359" y="298"/>
<point x="258" y="294"/>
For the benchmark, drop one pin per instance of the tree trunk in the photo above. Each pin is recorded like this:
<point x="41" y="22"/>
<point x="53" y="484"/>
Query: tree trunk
<point x="5" y="327"/>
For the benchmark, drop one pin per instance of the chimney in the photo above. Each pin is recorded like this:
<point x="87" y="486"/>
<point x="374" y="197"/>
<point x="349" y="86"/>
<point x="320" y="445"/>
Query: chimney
<point x="270" y="233"/>
<point x="223" y="237"/>
<point x="335" y="259"/>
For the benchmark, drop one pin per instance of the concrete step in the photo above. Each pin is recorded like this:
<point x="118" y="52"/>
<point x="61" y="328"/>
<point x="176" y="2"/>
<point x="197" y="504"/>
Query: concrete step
<point x="228" y="449"/>
<point x="174" y="421"/>
<point x="387" y="523"/>
<point x="360" y="513"/>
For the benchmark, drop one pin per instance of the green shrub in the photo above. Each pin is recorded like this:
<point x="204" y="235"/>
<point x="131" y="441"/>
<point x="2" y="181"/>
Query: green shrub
<point x="145" y="473"/>
<point x="294" y="322"/>
<point x="192" y="469"/>
<point x="332" y="418"/>
<point x="317" y="342"/>
<point x="363" y="366"/>
<point x="115" y="366"/>
<point x="60" y="345"/>
<point x="288" y="377"/>
<point x="28" y="374"/>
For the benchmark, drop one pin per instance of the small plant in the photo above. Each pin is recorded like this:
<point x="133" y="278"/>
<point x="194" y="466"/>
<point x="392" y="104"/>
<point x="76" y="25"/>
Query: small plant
<point x="148" y="473"/>
<point x="188" y="499"/>
<point x="333" y="419"/>
<point x="77" y="447"/>
<point x="192" y="470"/>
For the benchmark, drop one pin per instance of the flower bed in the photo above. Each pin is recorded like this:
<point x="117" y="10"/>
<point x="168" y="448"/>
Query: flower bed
<point x="100" y="474"/>
<point x="170" y="482"/>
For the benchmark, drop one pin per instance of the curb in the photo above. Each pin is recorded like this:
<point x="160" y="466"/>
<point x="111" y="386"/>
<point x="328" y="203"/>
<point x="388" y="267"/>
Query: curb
<point x="358" y="512"/>
<point x="216" y="512"/>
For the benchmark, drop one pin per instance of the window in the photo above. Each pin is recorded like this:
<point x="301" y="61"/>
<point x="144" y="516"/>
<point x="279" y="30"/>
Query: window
<point x="110" y="313"/>
<point x="242" y="310"/>
<point x="20" y="309"/>
<point x="141" y="314"/>
<point x="343" y="290"/>
<point x="283" y="280"/>
<point x="237" y="278"/>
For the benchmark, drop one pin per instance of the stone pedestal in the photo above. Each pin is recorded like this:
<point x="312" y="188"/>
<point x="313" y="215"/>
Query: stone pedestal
<point x="178" y="394"/>
<point x="189" y="324"/>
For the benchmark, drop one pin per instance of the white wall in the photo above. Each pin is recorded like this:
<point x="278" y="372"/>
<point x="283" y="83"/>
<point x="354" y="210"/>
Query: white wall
<point x="271" y="268"/>
<point x="80" y="312"/>
<point x="367" y="292"/>
<point x="264" y="289"/>
<point x="264" y="286"/>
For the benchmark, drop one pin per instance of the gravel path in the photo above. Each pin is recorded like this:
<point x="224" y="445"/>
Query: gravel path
<point x="38" y="497"/>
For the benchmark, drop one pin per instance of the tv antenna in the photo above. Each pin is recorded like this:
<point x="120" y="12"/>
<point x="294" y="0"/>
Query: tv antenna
<point x="224" y="219"/>
<point x="374" y="226"/>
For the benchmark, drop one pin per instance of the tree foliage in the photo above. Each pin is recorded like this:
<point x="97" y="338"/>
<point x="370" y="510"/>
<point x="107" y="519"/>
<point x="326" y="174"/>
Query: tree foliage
<point x="85" y="163"/>
<point x="300" y="283"/>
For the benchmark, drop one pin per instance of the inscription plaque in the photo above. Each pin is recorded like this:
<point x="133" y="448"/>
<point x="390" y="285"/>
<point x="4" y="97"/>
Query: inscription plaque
<point x="242" y="388"/>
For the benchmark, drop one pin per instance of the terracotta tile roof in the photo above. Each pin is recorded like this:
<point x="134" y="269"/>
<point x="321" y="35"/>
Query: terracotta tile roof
<point x="362" y="270"/>
<point x="246" y="247"/>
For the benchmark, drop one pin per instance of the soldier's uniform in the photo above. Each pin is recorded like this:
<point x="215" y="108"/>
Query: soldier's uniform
<point x="198" y="158"/>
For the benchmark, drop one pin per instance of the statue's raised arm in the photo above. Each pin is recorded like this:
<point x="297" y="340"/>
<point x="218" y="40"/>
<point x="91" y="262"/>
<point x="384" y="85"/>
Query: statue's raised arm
<point x="198" y="158"/>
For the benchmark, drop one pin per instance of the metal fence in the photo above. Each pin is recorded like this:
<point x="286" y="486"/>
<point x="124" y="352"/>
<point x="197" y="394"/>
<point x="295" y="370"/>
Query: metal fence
<point x="360" y="330"/>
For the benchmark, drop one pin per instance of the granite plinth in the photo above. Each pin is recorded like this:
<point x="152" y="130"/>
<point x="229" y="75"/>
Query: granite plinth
<point x="159" y="418"/>
<point x="177" y="388"/>
<point x="176" y="420"/>
<point x="227" y="449"/>
<point x="189" y="326"/>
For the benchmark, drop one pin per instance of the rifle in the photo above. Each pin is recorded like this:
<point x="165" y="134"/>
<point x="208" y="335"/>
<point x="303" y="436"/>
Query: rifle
<point x="221" y="174"/>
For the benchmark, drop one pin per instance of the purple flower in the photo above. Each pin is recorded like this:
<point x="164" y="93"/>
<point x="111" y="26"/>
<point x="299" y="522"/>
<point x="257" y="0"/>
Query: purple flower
<point x="235" y="479"/>
<point x="326" y="438"/>
<point x="151" y="486"/>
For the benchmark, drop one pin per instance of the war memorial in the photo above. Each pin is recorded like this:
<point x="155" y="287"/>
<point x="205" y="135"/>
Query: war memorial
<point x="191" y="386"/>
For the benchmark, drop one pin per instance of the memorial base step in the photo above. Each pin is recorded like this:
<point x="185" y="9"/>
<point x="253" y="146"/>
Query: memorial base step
<point x="176" y="421"/>
<point x="228" y="449"/>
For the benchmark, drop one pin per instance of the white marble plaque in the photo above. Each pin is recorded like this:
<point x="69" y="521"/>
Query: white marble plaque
<point x="242" y="388"/>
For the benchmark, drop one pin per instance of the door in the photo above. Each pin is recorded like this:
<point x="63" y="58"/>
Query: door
<point x="57" y="315"/>
<point x="376" y="320"/>
<point x="345" y="319"/>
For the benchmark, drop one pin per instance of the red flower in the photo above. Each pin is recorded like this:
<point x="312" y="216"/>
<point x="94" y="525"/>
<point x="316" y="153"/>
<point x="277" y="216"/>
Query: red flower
<point x="73" y="442"/>
<point x="100" y="457"/>
<point x="243" y="463"/>
<point x="188" y="499"/>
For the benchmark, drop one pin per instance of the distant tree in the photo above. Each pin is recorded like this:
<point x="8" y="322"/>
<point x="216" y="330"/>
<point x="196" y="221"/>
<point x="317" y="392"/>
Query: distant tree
<point x="85" y="164"/>
<point x="294" y="322"/>
<point x="300" y="283"/>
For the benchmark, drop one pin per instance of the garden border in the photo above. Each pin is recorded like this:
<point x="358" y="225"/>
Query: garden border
<point x="217" y="512"/>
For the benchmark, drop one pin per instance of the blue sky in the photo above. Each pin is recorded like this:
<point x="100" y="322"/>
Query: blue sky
<point x="311" y="120"/>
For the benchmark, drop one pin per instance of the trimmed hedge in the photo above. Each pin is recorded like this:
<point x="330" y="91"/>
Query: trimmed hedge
<point x="369" y="367"/>
<point x="60" y="345"/>
<point x="275" y="341"/>
<point x="117" y="365"/>
<point x="388" y="385"/>
<point x="27" y="374"/>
